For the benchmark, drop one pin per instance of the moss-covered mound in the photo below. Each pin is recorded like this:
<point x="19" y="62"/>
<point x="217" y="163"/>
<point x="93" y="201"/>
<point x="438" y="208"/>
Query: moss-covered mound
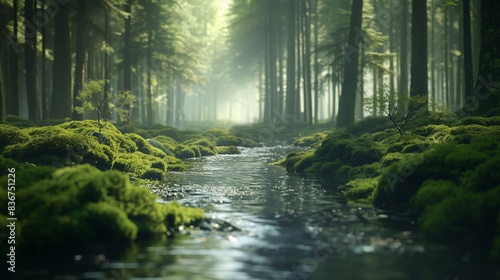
<point x="78" y="142"/>
<point x="228" y="150"/>
<point x="231" y="140"/>
<point x="453" y="189"/>
<point x="80" y="205"/>
<point x="11" y="135"/>
<point x="340" y="155"/>
<point x="310" y="140"/>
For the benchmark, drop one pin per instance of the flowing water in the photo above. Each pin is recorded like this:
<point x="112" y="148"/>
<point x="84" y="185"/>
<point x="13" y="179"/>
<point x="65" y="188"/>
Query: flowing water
<point x="267" y="223"/>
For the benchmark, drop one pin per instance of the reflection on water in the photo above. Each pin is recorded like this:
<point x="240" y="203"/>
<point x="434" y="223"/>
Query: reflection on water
<point x="288" y="226"/>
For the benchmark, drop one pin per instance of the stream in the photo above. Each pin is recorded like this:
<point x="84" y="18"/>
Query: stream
<point x="267" y="223"/>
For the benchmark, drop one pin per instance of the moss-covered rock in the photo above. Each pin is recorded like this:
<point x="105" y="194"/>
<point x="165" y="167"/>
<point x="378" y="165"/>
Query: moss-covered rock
<point x="228" y="150"/>
<point x="205" y="146"/>
<point x="349" y="150"/>
<point x="11" y="135"/>
<point x="231" y="140"/>
<point x="18" y="122"/>
<point x="185" y="152"/>
<point x="166" y="141"/>
<point x="391" y="158"/>
<point x="111" y="136"/>
<point x="361" y="188"/>
<point x="144" y="146"/>
<point x="481" y="121"/>
<point x="217" y="132"/>
<point x="77" y="206"/>
<point x="61" y="147"/>
<point x="465" y="133"/>
<point x="310" y="140"/>
<point x="154" y="174"/>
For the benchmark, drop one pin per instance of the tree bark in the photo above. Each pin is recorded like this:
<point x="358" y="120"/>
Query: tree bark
<point x="61" y="95"/>
<point x="290" y="64"/>
<point x="43" y="77"/>
<point x="79" y="56"/>
<point x="467" y="43"/>
<point x="403" y="60"/>
<point x="347" y="100"/>
<point x="149" y="109"/>
<point x="12" y="104"/>
<point x="30" y="59"/>
<point x="489" y="71"/>
<point x="419" y="54"/>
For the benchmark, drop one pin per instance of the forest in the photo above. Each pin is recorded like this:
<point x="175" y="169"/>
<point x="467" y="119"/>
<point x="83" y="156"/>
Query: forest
<point x="305" y="138"/>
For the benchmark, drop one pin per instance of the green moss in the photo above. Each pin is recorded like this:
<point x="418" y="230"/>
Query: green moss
<point x="144" y="146"/>
<point x="154" y="174"/>
<point x="310" y="140"/>
<point x="467" y="216"/>
<point x="202" y="145"/>
<point x="108" y="222"/>
<point x="160" y="146"/>
<point x="18" y="122"/>
<point x="61" y="147"/>
<point x="11" y="135"/>
<point x="409" y="143"/>
<point x="231" y="140"/>
<point x="138" y="164"/>
<point x="391" y="158"/>
<point x="228" y="150"/>
<point x="177" y="214"/>
<point x="361" y="188"/>
<point x="166" y="141"/>
<point x="400" y="181"/>
<point x="305" y="160"/>
<point x="217" y="132"/>
<point x="184" y="152"/>
<point x="432" y="192"/>
<point x="481" y="121"/>
<point x="465" y="133"/>
<point x="329" y="168"/>
<point x="175" y="164"/>
<point x="110" y="137"/>
<point x="344" y="147"/>
<point x="365" y="171"/>
<point x="80" y="205"/>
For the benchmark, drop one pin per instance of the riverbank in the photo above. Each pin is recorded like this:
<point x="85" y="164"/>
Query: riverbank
<point x="442" y="173"/>
<point x="78" y="183"/>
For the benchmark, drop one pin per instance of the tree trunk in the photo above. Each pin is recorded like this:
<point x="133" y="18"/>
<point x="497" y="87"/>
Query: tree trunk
<point x="61" y="95"/>
<point x="127" y="48"/>
<point x="149" y="109"/>
<point x="316" y="61"/>
<point x="489" y="71"/>
<point x="433" y="61"/>
<point x="30" y="59"/>
<point x="467" y="45"/>
<point x="81" y="19"/>
<point x="403" y="61"/>
<point x="419" y="53"/>
<point x="306" y="56"/>
<point x="43" y="76"/>
<point x="290" y="64"/>
<point x="347" y="100"/>
<point x="298" y="99"/>
<point x="12" y="106"/>
<point x="107" y="70"/>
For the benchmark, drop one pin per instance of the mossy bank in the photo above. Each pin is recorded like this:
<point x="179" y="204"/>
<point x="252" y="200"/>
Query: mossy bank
<point x="74" y="180"/>
<point x="443" y="173"/>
